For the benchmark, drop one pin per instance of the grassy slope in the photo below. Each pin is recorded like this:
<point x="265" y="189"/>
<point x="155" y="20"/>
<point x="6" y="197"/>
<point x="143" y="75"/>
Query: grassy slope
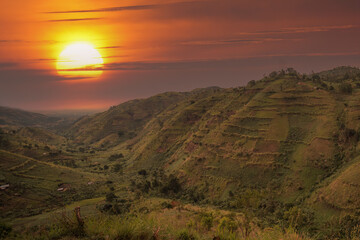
<point x="236" y="135"/>
<point x="121" y="122"/>
<point x="34" y="184"/>
<point x="278" y="135"/>
<point x="10" y="116"/>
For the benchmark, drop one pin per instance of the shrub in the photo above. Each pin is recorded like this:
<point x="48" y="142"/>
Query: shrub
<point x="110" y="197"/>
<point x="251" y="83"/>
<point x="142" y="172"/>
<point x="115" y="157"/>
<point x="207" y="220"/>
<point x="227" y="224"/>
<point x="299" y="218"/>
<point x="185" y="235"/>
<point x="345" y="88"/>
<point x="171" y="185"/>
<point x="4" y="230"/>
<point x="117" y="167"/>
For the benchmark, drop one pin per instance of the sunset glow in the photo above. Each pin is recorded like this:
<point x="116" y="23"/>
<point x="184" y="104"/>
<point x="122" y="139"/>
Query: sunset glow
<point x="111" y="51"/>
<point x="78" y="56"/>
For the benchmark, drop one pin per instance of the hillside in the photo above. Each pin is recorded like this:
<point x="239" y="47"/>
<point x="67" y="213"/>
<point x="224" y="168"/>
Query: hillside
<point x="124" y="121"/>
<point x="288" y="128"/>
<point x="17" y="117"/>
<point x="288" y="138"/>
<point x="282" y="151"/>
<point x="34" y="185"/>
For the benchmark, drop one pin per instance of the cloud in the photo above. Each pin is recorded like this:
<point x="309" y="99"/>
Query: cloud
<point x="110" y="47"/>
<point x="121" y="8"/>
<point x="236" y="41"/>
<point x="209" y="63"/>
<point x="10" y="41"/>
<point x="311" y="29"/>
<point x="74" y="19"/>
<point x="7" y="65"/>
<point x="110" y="9"/>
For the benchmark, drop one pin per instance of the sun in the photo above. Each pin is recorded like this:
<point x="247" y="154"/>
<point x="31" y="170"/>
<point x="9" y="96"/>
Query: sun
<point x="80" y="59"/>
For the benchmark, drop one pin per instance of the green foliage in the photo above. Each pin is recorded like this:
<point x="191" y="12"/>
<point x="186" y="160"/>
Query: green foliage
<point x="227" y="224"/>
<point x="207" y="220"/>
<point x="185" y="235"/>
<point x="110" y="197"/>
<point x="345" y="227"/>
<point x="4" y="141"/>
<point x="117" y="167"/>
<point x="345" y="88"/>
<point x="4" y="230"/>
<point x="249" y="199"/>
<point x="172" y="185"/>
<point x="166" y="205"/>
<point x="66" y="225"/>
<point x="251" y="83"/>
<point x="115" y="157"/>
<point x="299" y="218"/>
<point x="142" y="172"/>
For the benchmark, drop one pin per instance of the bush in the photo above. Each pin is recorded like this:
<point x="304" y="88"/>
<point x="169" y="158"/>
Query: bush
<point x="142" y="172"/>
<point x="171" y="185"/>
<point x="185" y="235"/>
<point x="115" y="157"/>
<point x="299" y="218"/>
<point x="110" y="197"/>
<point x="227" y="224"/>
<point x="117" y="167"/>
<point x="66" y="225"/>
<point x="251" y="83"/>
<point x="207" y="220"/>
<point x="4" y="230"/>
<point x="345" y="88"/>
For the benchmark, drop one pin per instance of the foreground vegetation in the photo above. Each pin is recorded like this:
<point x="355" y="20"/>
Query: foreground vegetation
<point x="179" y="225"/>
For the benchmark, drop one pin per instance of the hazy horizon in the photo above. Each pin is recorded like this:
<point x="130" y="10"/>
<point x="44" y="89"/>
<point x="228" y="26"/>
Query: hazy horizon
<point x="143" y="48"/>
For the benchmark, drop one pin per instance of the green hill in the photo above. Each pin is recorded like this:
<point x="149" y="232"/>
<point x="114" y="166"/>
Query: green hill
<point x="284" y="150"/>
<point x="124" y="121"/>
<point x="283" y="134"/>
<point x="34" y="185"/>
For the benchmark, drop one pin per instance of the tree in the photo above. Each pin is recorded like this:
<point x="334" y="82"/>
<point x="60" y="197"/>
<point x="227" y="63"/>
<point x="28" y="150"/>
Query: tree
<point x="345" y="88"/>
<point x="110" y="197"/>
<point x="251" y="83"/>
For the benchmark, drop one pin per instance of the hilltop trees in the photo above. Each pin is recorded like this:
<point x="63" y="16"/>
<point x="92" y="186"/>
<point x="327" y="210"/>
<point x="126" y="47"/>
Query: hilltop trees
<point x="4" y="142"/>
<point x="345" y="88"/>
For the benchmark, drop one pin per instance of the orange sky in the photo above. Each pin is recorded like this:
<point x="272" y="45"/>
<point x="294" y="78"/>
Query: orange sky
<point x="154" y="46"/>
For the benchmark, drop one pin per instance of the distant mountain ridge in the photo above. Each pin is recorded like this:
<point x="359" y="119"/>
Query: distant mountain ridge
<point x="17" y="117"/>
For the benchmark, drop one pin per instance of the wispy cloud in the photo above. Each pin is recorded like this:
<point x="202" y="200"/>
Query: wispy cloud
<point x="7" y="65"/>
<point x="312" y="29"/>
<point x="203" y="63"/>
<point x="74" y="19"/>
<point x="9" y="41"/>
<point x="110" y="47"/>
<point x="110" y="9"/>
<point x="122" y="8"/>
<point x="236" y="41"/>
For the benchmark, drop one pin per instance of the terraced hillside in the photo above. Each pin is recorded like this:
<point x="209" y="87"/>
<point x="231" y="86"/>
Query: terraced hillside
<point x="125" y="120"/>
<point x="284" y="149"/>
<point x="284" y="135"/>
<point x="37" y="186"/>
